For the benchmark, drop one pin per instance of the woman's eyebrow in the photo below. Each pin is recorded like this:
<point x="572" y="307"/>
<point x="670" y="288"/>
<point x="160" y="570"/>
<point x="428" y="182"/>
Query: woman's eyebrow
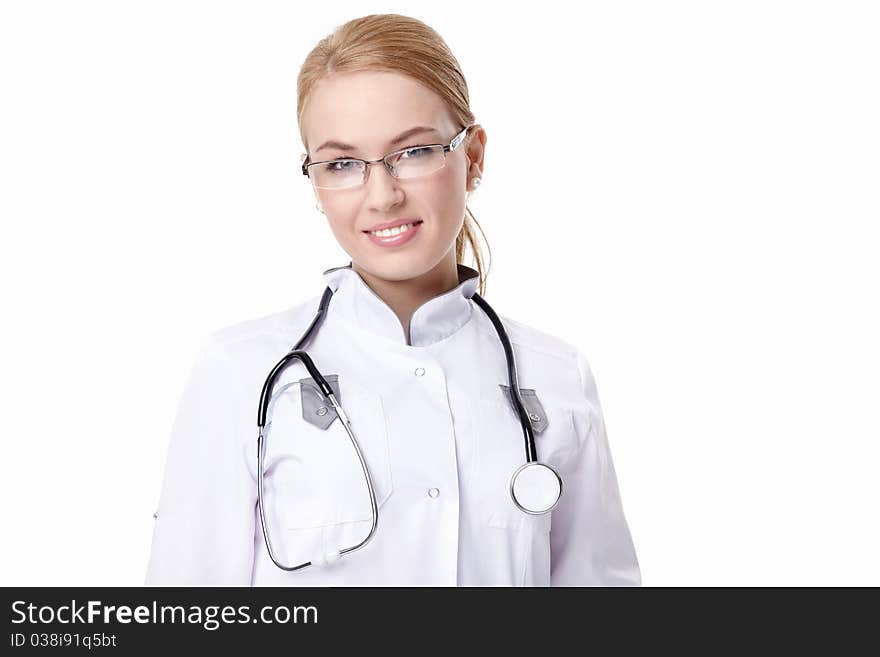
<point x="399" y="138"/>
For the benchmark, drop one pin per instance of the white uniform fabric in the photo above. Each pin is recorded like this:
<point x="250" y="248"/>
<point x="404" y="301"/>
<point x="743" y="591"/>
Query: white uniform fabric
<point x="439" y="436"/>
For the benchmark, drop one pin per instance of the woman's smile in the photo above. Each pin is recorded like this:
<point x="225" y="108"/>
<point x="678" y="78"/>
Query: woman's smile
<point x="396" y="236"/>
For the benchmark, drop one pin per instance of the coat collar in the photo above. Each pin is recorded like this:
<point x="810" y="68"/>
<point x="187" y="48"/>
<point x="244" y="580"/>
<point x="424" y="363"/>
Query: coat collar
<point x="436" y="319"/>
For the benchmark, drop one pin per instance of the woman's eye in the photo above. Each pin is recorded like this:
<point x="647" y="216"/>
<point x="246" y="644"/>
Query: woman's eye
<point x="337" y="166"/>
<point x="415" y="151"/>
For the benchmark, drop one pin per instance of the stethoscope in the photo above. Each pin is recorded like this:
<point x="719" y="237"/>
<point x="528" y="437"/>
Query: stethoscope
<point x="534" y="486"/>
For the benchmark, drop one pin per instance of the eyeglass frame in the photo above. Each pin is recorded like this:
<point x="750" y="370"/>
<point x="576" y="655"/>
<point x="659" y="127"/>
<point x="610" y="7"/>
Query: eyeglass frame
<point x="453" y="145"/>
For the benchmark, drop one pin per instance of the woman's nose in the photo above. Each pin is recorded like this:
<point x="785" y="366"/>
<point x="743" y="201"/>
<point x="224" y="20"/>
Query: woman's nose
<point x="383" y="188"/>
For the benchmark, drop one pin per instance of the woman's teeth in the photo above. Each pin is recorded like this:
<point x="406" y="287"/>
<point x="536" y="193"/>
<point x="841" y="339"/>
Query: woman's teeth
<point x="391" y="232"/>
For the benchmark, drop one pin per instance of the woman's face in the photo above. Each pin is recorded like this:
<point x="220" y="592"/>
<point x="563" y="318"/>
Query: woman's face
<point x="368" y="110"/>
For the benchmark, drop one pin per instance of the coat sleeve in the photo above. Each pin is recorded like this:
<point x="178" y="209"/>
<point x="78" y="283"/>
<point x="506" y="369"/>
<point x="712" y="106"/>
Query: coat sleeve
<point x="204" y="527"/>
<point x="590" y="542"/>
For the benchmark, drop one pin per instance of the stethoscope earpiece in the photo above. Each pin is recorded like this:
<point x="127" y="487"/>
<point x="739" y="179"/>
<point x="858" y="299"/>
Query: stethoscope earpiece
<point x="326" y="558"/>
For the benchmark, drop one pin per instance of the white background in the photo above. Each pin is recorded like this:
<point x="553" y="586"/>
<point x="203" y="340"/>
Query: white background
<point x="687" y="191"/>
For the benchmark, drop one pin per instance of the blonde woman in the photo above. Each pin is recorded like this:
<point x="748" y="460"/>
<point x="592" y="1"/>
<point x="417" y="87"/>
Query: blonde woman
<point x="387" y="455"/>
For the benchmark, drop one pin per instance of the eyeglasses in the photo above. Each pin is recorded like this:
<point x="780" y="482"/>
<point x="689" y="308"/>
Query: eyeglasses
<point x="411" y="162"/>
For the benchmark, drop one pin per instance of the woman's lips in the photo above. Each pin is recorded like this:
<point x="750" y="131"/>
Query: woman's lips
<point x="396" y="240"/>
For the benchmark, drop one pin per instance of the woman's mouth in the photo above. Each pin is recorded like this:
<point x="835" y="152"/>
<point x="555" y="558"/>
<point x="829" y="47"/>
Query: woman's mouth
<point x="394" y="236"/>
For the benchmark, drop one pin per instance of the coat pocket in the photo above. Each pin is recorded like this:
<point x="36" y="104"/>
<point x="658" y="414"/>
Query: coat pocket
<point x="312" y="475"/>
<point x="501" y="450"/>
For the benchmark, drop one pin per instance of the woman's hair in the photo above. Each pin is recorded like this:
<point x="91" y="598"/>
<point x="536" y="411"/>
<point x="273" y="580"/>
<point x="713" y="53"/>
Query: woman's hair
<point x="397" y="44"/>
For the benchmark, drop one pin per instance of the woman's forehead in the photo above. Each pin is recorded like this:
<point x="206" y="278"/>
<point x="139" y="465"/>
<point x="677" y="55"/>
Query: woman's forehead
<point x="369" y="83"/>
<point x="371" y="110"/>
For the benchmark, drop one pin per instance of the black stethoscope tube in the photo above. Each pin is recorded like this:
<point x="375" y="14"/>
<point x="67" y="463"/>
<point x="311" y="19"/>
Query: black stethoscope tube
<point x="296" y="353"/>
<point x="531" y="452"/>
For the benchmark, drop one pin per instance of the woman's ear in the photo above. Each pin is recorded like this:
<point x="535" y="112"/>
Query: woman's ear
<point x="475" y="153"/>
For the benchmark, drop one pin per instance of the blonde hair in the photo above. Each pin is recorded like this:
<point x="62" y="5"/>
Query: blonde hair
<point x="398" y="44"/>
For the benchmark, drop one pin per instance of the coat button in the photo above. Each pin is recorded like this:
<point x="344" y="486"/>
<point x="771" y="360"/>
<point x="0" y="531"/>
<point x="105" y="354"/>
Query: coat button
<point x="420" y="371"/>
<point x="535" y="417"/>
<point x="434" y="492"/>
<point x="322" y="410"/>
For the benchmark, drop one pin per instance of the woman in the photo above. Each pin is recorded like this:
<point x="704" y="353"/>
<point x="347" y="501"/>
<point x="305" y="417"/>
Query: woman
<point x="416" y="365"/>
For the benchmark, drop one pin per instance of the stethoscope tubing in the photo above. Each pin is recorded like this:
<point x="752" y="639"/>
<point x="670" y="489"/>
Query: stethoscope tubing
<point x="297" y="353"/>
<point x="513" y="379"/>
<point x="343" y="418"/>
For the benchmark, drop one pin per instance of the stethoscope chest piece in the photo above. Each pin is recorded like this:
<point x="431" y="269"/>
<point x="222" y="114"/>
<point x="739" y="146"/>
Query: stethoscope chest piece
<point x="535" y="487"/>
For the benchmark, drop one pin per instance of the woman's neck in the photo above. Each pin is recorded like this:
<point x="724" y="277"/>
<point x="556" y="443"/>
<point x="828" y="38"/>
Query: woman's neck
<point x="404" y="297"/>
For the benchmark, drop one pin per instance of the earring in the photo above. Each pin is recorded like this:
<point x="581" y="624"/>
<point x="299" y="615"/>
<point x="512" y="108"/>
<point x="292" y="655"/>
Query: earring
<point x="476" y="182"/>
<point x="318" y="206"/>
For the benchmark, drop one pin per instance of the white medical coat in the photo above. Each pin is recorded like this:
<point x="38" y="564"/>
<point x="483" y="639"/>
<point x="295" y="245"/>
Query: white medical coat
<point x="440" y="438"/>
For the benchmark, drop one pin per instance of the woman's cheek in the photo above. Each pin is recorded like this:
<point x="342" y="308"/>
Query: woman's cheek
<point x="345" y="233"/>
